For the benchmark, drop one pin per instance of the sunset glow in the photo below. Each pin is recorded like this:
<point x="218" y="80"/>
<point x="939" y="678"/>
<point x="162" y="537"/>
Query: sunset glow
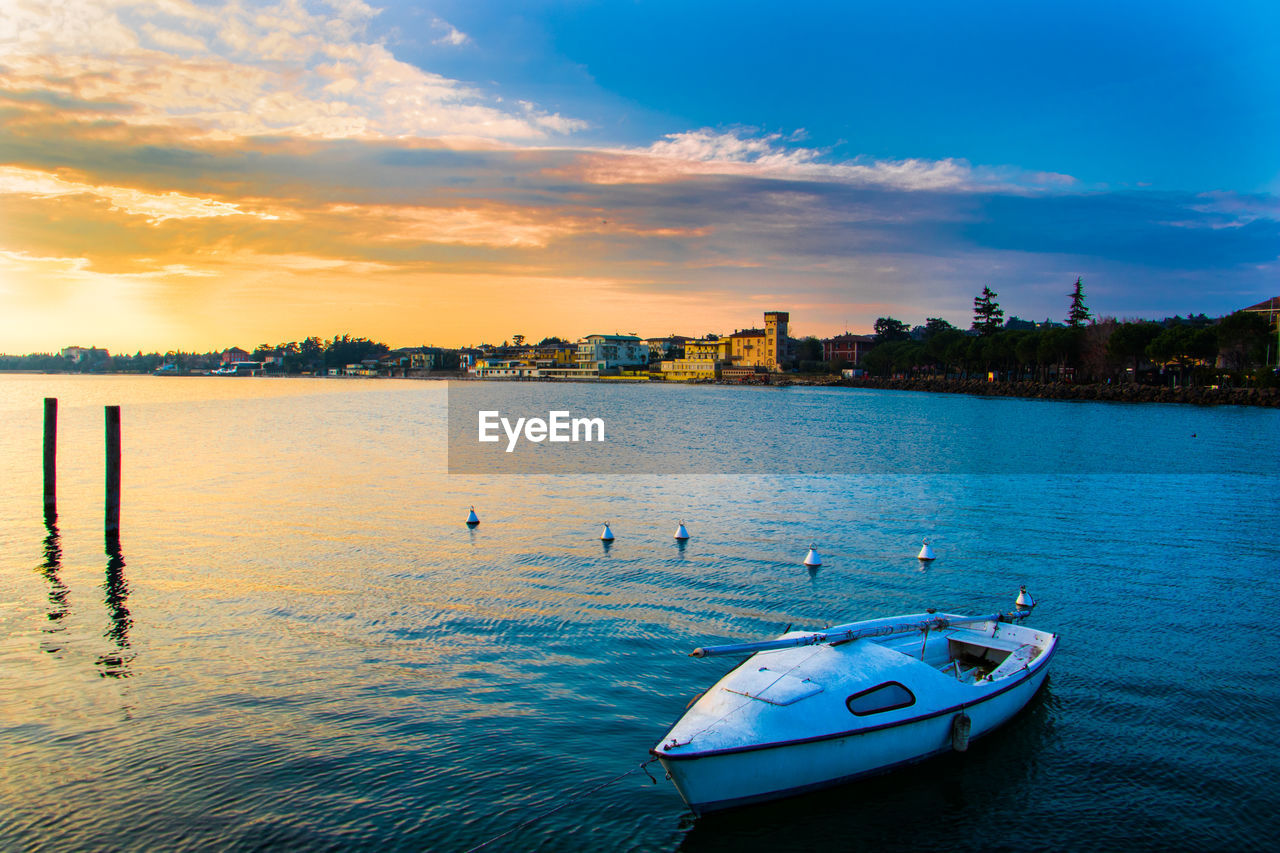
<point x="199" y="175"/>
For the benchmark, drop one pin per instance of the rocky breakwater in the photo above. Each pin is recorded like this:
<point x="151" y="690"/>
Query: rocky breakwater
<point x="1117" y="393"/>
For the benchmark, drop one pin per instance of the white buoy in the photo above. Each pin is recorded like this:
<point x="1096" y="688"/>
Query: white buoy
<point x="1025" y="601"/>
<point x="926" y="553"/>
<point x="472" y="518"/>
<point x="606" y="535"/>
<point x="681" y="533"/>
<point x="812" y="560"/>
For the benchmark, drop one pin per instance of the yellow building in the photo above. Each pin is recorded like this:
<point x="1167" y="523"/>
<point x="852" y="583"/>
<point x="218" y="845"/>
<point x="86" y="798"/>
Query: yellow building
<point x="552" y="355"/>
<point x="765" y="347"/>
<point x="687" y="369"/>
<point x="707" y="349"/>
<point x="703" y="359"/>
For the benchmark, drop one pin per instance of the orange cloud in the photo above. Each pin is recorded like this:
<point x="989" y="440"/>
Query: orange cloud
<point x="156" y="207"/>
<point x="492" y="224"/>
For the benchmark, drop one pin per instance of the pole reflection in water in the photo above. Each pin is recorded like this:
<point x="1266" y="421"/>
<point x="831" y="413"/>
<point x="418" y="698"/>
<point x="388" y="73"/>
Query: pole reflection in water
<point x="115" y="662"/>
<point x="58" y="608"/>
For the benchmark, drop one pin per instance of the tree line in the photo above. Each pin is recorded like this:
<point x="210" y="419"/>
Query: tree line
<point x="1192" y="350"/>
<point x="311" y="355"/>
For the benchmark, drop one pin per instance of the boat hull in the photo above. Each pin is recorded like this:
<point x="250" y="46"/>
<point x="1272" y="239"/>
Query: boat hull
<point x="717" y="780"/>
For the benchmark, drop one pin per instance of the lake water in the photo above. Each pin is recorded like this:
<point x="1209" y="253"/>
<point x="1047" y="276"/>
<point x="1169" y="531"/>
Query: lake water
<point x="300" y="644"/>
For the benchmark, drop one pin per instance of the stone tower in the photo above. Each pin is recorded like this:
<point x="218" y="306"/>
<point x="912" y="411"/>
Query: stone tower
<point x="775" y="338"/>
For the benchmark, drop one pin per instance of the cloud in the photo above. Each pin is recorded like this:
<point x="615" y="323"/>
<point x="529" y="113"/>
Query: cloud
<point x="1232" y="210"/>
<point x="1158" y="231"/>
<point x="156" y="207"/>
<point x="706" y="146"/>
<point x="26" y="262"/>
<point x="172" y="40"/>
<point x="491" y="224"/>
<point x="294" y="262"/>
<point x="452" y="36"/>
<point x="291" y="157"/>
<point x="705" y="152"/>
<point x="247" y="69"/>
<point x="82" y="268"/>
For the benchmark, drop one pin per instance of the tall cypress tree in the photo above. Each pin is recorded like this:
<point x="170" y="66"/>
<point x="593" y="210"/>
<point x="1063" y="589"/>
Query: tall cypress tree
<point x="1078" y="314"/>
<point x="988" y="316"/>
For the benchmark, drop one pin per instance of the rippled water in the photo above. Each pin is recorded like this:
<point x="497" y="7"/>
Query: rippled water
<point x="300" y="645"/>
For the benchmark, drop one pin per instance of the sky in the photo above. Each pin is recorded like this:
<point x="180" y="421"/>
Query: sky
<point x="200" y="175"/>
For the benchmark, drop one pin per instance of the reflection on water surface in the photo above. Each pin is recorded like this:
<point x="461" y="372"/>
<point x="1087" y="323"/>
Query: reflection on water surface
<point x="309" y="648"/>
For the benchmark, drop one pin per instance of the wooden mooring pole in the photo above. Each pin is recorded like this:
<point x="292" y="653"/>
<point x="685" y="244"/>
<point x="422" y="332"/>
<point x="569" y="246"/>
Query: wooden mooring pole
<point x="50" y="456"/>
<point x="113" y="471"/>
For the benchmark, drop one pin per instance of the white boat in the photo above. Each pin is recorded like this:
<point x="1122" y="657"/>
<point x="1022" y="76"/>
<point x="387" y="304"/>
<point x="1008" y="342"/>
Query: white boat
<point x="814" y="709"/>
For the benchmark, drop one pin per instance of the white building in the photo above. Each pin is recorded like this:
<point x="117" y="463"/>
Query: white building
<point x="493" y="368"/>
<point x="606" y="353"/>
<point x="78" y="354"/>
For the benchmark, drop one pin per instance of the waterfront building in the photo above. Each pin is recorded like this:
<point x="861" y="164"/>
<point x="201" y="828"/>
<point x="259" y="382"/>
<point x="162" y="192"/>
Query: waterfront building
<point x="234" y="355"/>
<point x="708" y="349"/>
<point x="690" y="369"/>
<point x="569" y="372"/>
<point x="78" y="354"/>
<point x="548" y="361"/>
<point x="743" y="355"/>
<point x="847" y="347"/>
<point x="703" y="359"/>
<point x="502" y="368"/>
<point x="417" y="358"/>
<point x="768" y="347"/>
<point x="552" y="355"/>
<point x="671" y="346"/>
<point x="1269" y="308"/>
<point x="745" y="373"/>
<point x="611" y="353"/>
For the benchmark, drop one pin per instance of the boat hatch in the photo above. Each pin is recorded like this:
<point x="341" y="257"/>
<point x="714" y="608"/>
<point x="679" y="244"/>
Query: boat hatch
<point x="974" y="647"/>
<point x="774" y="687"/>
<point x="1019" y="659"/>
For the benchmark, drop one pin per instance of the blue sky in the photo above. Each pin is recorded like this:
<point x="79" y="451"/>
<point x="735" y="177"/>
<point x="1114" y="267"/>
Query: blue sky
<point x="1179" y="96"/>
<point x="456" y="172"/>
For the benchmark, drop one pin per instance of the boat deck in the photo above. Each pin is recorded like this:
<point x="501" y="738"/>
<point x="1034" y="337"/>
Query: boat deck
<point x="970" y="654"/>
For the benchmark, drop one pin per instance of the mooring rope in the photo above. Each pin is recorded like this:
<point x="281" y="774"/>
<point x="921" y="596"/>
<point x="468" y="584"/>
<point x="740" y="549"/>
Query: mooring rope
<point x="643" y="766"/>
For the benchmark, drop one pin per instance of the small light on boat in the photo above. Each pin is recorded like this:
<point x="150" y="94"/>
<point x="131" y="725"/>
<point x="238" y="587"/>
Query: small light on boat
<point x="926" y="553"/>
<point x="606" y="535"/>
<point x="472" y="518"/>
<point x="1025" y="601"/>
<point x="681" y="533"/>
<point x="812" y="559"/>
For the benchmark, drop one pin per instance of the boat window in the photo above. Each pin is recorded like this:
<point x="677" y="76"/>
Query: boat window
<point x="884" y="697"/>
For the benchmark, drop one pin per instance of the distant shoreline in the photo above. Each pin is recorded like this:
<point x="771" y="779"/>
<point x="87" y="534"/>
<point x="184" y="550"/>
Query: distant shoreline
<point x="1104" y="393"/>
<point x="1126" y="392"/>
<point x="1097" y="392"/>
